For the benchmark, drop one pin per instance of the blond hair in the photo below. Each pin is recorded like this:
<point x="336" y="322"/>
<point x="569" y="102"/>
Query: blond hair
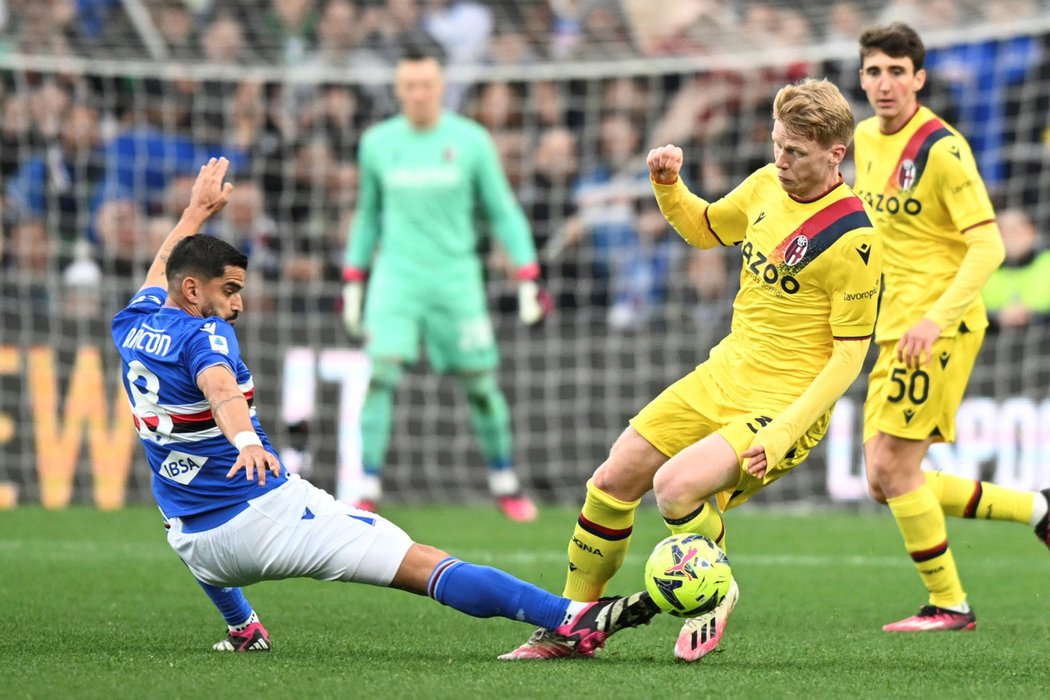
<point x="815" y="110"/>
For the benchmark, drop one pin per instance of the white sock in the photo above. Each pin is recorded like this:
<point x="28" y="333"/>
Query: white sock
<point x="1039" y="508"/>
<point x="574" y="610"/>
<point x="371" y="488"/>
<point x="503" y="482"/>
<point x="963" y="607"/>
<point x="244" y="625"/>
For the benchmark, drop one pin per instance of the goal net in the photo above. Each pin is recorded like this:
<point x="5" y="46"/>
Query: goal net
<point x="108" y="108"/>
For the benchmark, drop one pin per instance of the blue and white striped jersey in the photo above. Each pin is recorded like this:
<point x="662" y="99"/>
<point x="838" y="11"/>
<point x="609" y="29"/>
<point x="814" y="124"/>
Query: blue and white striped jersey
<point x="163" y="350"/>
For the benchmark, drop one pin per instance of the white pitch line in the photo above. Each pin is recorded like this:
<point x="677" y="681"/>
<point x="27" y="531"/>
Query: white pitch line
<point x="69" y="550"/>
<point x="748" y="558"/>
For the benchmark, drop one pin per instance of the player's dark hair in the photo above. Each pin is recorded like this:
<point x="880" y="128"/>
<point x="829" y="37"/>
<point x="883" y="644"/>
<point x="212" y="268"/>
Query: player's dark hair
<point x="414" y="51"/>
<point x="205" y="257"/>
<point x="896" y="40"/>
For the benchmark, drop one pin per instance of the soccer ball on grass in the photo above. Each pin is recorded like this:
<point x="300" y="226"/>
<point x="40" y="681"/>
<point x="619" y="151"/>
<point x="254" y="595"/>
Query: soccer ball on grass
<point x="687" y="575"/>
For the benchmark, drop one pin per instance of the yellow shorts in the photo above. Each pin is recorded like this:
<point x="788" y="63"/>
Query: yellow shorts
<point x="919" y="403"/>
<point x="694" y="407"/>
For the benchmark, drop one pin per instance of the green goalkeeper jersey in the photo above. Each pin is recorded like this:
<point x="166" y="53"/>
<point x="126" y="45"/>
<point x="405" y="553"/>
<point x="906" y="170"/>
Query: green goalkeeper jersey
<point x="418" y="195"/>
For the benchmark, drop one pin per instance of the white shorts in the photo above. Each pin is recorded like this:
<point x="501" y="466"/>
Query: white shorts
<point x="296" y="530"/>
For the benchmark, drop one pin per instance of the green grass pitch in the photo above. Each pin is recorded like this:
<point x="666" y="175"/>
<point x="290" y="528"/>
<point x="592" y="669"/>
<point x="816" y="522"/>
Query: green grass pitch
<point x="96" y="605"/>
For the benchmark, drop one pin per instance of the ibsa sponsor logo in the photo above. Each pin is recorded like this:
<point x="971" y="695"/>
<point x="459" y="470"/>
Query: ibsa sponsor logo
<point x="181" y="466"/>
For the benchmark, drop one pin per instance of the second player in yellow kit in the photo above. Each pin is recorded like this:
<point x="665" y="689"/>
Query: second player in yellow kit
<point x="922" y="186"/>
<point x="919" y="179"/>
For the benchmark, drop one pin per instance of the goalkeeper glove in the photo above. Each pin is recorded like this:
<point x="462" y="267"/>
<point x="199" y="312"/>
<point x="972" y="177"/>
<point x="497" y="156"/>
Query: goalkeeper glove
<point x="533" y="301"/>
<point x="353" y="295"/>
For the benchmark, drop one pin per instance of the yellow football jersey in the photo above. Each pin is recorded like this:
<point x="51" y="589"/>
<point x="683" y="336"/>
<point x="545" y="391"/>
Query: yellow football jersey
<point x="810" y="273"/>
<point x="924" y="192"/>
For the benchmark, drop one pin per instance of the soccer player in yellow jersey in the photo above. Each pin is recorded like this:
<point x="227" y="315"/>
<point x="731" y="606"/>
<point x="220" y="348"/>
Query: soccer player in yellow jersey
<point x="802" y="324"/>
<point x="920" y="181"/>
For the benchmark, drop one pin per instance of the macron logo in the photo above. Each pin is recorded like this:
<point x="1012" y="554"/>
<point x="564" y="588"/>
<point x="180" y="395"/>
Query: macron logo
<point x="209" y="327"/>
<point x="864" y="251"/>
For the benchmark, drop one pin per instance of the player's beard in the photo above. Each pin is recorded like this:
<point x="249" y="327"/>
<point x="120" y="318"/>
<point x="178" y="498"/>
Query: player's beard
<point x="209" y="310"/>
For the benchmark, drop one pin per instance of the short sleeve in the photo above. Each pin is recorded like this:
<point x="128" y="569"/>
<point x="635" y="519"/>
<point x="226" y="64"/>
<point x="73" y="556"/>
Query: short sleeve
<point x="961" y="188"/>
<point x="854" y="283"/>
<point x="727" y="217"/>
<point x="214" y="343"/>
<point x="146" y="301"/>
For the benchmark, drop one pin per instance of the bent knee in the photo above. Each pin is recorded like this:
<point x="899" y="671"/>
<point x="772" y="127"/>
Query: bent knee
<point x="665" y="488"/>
<point x="627" y="473"/>
<point x="416" y="568"/>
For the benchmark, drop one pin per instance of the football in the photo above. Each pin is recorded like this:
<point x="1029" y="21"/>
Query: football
<point x="687" y="575"/>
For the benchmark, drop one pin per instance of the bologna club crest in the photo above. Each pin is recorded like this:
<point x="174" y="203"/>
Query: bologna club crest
<point x="906" y="175"/>
<point x="796" y="250"/>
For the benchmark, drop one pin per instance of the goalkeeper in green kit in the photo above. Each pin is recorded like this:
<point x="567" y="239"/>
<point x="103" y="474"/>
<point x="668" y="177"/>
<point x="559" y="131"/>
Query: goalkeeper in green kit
<point x="413" y="239"/>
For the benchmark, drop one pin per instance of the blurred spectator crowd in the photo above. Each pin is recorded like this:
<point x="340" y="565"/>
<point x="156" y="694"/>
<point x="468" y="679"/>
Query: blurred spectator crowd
<point x="95" y="167"/>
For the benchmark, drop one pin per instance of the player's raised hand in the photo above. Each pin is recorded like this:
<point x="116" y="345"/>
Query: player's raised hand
<point x="255" y="461"/>
<point x="665" y="162"/>
<point x="915" y="348"/>
<point x="209" y="192"/>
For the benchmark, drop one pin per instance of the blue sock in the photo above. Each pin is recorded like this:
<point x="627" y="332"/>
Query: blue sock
<point x="498" y="464"/>
<point x="482" y="591"/>
<point x="230" y="602"/>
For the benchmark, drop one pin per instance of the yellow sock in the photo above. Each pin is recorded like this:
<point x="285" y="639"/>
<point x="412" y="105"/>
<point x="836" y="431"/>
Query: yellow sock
<point x="921" y="522"/>
<point x="966" y="498"/>
<point x="599" y="543"/>
<point x="706" y="521"/>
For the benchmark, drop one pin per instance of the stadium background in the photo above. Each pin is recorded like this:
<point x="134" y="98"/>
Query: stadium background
<point x="107" y="107"/>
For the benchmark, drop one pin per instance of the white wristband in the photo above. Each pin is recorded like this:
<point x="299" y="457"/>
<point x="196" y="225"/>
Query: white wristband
<point x="245" y="438"/>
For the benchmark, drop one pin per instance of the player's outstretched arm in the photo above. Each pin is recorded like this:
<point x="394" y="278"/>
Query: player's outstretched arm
<point x="208" y="197"/>
<point x="230" y="410"/>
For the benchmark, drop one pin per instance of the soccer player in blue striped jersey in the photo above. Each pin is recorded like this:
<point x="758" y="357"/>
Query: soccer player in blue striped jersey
<point x="235" y="516"/>
<point x="920" y="180"/>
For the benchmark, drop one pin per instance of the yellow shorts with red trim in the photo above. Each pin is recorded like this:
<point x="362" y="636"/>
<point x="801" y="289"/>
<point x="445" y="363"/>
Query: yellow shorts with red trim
<point x="916" y="404"/>
<point x="695" y="406"/>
